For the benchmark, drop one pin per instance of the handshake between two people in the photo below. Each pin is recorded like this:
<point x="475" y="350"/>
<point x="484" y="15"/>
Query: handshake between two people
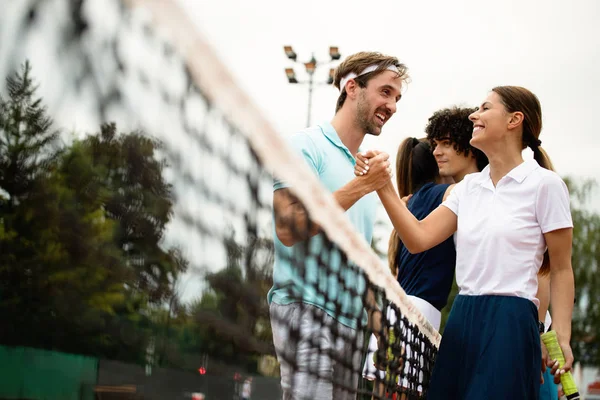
<point x="373" y="169"/>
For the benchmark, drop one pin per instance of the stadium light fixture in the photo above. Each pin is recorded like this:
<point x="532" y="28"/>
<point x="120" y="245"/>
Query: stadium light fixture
<point x="334" y="53"/>
<point x="290" y="53"/>
<point x="331" y="75"/>
<point x="311" y="67"/>
<point x="291" y="75"/>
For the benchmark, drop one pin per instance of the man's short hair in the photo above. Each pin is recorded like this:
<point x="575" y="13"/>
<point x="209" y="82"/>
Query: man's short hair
<point x="357" y="63"/>
<point x="454" y="124"/>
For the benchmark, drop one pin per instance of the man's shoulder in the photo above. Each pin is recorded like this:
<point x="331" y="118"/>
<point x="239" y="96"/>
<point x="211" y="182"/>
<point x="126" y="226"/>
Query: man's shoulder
<point x="313" y="132"/>
<point x="310" y="137"/>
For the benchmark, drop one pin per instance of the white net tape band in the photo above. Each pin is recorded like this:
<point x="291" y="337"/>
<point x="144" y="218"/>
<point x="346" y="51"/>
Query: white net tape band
<point x="218" y="85"/>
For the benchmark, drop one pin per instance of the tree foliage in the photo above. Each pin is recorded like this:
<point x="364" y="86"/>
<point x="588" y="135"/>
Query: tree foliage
<point x="80" y="233"/>
<point x="83" y="265"/>
<point x="586" y="259"/>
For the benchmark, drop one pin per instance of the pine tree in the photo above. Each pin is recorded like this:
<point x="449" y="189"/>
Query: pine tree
<point x="27" y="138"/>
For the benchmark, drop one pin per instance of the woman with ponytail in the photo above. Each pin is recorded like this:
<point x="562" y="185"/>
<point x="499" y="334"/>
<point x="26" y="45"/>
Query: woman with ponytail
<point x="531" y="131"/>
<point x="506" y="217"/>
<point x="426" y="277"/>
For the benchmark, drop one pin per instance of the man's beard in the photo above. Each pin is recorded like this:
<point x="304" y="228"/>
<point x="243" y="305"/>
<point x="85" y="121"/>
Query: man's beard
<point x="364" y="119"/>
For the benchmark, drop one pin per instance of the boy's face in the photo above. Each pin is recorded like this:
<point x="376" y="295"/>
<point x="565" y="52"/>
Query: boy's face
<point x="450" y="163"/>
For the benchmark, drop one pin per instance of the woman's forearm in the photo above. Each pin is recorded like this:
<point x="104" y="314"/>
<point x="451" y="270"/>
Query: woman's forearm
<point x="405" y="224"/>
<point x="417" y="236"/>
<point x="562" y="297"/>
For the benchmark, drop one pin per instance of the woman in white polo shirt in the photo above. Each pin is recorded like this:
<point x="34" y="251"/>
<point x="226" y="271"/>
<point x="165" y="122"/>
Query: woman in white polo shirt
<point x="505" y="218"/>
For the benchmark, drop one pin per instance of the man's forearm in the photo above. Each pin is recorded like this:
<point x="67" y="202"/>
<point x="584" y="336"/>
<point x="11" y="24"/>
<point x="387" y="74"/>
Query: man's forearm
<point x="295" y="225"/>
<point x="374" y="315"/>
<point x="562" y="297"/>
<point x="350" y="193"/>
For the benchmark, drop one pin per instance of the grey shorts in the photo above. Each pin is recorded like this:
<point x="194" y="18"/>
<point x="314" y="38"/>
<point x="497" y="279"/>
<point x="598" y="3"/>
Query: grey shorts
<point x="314" y="351"/>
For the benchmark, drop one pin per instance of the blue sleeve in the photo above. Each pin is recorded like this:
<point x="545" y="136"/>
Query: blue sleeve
<point x="438" y="191"/>
<point x="302" y="144"/>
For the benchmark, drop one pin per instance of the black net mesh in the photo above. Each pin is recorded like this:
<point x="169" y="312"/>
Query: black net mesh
<point x="140" y="231"/>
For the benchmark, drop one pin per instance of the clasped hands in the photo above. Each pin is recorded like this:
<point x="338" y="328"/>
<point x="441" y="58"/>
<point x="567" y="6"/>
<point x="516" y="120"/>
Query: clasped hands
<point x="373" y="168"/>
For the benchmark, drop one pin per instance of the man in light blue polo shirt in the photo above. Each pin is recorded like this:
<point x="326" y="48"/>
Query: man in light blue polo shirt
<point x="315" y="293"/>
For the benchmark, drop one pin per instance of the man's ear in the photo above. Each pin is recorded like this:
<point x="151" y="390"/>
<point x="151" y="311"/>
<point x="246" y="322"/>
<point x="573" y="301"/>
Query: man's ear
<point x="352" y="89"/>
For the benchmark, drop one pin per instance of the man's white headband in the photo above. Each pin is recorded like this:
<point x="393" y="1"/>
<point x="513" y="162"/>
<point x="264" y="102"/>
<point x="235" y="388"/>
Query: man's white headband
<point x="370" y="68"/>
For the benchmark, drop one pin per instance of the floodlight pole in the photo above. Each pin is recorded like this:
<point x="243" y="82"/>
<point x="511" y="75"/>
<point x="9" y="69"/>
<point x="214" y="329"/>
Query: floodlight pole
<point x="310" y="67"/>
<point x="310" y="93"/>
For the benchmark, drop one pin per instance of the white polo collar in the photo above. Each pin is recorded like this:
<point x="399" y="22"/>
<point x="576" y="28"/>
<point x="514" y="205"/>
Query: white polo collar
<point x="518" y="173"/>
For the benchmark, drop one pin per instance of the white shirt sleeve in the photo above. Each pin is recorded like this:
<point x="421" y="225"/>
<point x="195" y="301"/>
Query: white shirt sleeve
<point x="552" y="206"/>
<point x="453" y="199"/>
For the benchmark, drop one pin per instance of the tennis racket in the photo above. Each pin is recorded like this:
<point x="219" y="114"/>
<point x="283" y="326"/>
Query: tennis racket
<point x="568" y="383"/>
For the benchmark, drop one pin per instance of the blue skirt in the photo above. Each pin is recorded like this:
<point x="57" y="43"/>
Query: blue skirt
<point x="490" y="350"/>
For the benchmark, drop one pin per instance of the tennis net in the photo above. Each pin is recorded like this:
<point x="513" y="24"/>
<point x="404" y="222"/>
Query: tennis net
<point x="140" y="73"/>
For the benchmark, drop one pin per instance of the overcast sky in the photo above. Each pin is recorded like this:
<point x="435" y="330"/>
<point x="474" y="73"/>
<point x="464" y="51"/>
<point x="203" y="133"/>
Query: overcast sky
<point x="456" y="52"/>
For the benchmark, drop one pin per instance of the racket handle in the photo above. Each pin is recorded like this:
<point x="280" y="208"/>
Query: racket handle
<point x="554" y="351"/>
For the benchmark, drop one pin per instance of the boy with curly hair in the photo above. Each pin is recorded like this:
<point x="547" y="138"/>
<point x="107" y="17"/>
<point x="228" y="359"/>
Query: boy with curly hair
<point x="449" y="132"/>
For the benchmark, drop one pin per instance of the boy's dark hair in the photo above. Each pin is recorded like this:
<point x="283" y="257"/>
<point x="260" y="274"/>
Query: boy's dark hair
<point x="454" y="124"/>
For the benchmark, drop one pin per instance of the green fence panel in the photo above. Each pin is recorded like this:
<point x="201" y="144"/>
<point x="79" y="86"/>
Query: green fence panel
<point x="34" y="374"/>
